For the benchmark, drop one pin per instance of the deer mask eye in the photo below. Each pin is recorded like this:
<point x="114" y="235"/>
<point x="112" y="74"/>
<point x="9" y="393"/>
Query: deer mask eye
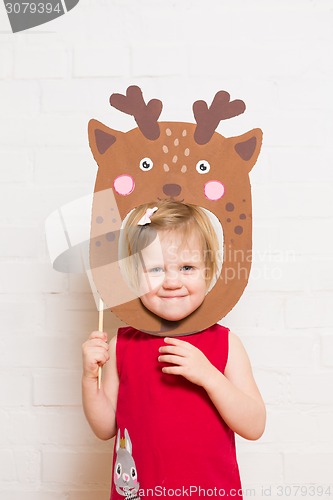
<point x="203" y="167"/>
<point x="146" y="164"/>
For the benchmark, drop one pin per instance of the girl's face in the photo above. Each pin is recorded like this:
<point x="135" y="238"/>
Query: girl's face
<point x="173" y="276"/>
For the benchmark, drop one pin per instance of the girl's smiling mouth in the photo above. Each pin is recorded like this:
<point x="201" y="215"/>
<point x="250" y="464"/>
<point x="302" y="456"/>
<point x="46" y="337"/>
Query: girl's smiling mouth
<point x="173" y="296"/>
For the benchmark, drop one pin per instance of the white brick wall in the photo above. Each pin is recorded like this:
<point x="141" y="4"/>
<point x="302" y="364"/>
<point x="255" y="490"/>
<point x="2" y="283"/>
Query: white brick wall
<point x="277" y="56"/>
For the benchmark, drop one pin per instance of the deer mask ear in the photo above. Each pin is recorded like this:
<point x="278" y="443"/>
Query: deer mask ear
<point x="101" y="138"/>
<point x="248" y="147"/>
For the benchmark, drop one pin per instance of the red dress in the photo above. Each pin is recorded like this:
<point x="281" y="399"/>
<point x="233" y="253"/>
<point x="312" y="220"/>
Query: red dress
<point x="178" y="441"/>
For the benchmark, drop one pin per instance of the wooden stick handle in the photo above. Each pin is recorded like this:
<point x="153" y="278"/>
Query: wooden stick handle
<point x="100" y="329"/>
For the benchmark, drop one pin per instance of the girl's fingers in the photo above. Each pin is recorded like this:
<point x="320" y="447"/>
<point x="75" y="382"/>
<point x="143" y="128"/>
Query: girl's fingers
<point x="173" y="370"/>
<point x="169" y="349"/>
<point x="99" y="358"/>
<point x="175" y="341"/>
<point x="90" y="368"/>
<point x="96" y="342"/>
<point x="171" y="358"/>
<point x="99" y="351"/>
<point x="102" y="344"/>
<point x="95" y="353"/>
<point x="98" y="335"/>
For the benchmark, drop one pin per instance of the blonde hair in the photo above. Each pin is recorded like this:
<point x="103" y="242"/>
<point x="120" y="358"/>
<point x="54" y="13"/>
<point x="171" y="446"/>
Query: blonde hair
<point x="171" y="216"/>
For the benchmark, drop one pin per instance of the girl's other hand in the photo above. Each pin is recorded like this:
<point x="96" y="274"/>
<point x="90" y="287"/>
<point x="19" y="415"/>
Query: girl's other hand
<point x="186" y="360"/>
<point x="95" y="353"/>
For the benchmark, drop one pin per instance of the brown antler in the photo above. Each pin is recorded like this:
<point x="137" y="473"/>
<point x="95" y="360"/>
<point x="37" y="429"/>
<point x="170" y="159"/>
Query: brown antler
<point x="208" y="118"/>
<point x="145" y="115"/>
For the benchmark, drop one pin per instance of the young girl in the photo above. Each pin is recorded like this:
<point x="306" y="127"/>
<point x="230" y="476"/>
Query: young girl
<point x="174" y="402"/>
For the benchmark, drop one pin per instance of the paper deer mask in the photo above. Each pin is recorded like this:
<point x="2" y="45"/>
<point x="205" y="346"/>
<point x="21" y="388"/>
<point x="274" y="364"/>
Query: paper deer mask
<point x="187" y="162"/>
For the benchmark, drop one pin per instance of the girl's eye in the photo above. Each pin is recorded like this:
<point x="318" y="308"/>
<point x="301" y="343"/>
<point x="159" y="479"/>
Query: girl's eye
<point x="155" y="271"/>
<point x="146" y="164"/>
<point x="187" y="268"/>
<point x="203" y="167"/>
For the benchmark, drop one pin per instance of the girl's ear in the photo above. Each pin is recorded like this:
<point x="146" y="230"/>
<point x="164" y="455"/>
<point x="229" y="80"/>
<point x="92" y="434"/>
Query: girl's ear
<point x="101" y="138"/>
<point x="247" y="147"/>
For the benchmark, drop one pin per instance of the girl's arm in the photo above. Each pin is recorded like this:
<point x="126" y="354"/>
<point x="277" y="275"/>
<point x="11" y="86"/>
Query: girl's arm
<point x="234" y="393"/>
<point x="100" y="404"/>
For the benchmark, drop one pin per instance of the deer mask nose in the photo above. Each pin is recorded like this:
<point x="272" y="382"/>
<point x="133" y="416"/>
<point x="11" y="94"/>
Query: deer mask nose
<point x="172" y="189"/>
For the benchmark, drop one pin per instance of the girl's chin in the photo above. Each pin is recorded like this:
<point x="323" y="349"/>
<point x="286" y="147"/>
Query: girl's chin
<point x="172" y="318"/>
<point x="163" y="314"/>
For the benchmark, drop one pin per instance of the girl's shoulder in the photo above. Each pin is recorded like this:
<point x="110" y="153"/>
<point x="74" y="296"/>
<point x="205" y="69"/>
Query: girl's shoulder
<point x="236" y="347"/>
<point x="123" y="330"/>
<point x="126" y="332"/>
<point x="238" y="359"/>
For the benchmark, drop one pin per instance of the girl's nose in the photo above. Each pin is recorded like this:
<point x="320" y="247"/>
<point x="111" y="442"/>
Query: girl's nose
<point x="172" y="280"/>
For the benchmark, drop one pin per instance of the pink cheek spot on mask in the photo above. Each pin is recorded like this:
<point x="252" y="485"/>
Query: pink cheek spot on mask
<point x="214" y="190"/>
<point x="124" y="184"/>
